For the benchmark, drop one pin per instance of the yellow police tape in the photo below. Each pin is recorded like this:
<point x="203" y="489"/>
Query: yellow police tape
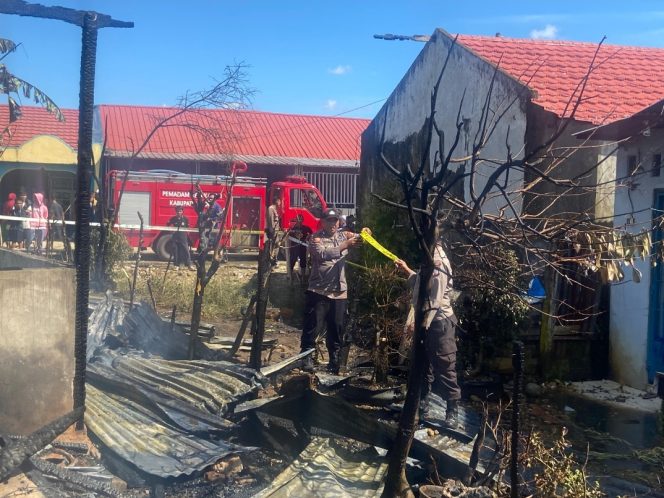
<point x="367" y="237"/>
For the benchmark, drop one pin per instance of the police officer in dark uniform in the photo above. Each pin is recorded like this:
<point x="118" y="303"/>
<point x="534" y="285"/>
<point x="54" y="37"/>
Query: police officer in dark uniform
<point x="179" y="239"/>
<point x="327" y="294"/>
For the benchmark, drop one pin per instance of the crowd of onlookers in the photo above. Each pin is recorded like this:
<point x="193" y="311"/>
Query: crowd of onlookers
<point x="32" y="231"/>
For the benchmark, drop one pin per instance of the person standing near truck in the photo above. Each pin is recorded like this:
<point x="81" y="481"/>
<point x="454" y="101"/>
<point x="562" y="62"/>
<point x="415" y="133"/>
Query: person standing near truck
<point x="179" y="239"/>
<point x="272" y="226"/>
<point x="298" y="238"/>
<point x="327" y="295"/>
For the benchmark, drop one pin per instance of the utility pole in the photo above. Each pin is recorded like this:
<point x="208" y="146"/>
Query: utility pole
<point x="391" y="37"/>
<point x="90" y="22"/>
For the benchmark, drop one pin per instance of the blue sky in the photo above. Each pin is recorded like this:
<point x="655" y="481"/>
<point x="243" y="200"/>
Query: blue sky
<point x="305" y="56"/>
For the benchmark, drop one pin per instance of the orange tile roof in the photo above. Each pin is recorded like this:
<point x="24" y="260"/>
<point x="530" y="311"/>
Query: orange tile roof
<point x="35" y="121"/>
<point x="263" y="136"/>
<point x="625" y="79"/>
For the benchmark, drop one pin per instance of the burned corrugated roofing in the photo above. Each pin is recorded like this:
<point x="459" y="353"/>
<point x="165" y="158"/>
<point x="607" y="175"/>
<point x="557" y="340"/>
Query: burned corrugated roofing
<point x="322" y="469"/>
<point x="162" y="416"/>
<point x="138" y="436"/>
<point x="106" y="318"/>
<point x="206" y="385"/>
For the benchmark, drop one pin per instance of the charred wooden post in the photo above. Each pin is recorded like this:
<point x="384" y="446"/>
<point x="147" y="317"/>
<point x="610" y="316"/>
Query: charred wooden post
<point x="264" y="270"/>
<point x="248" y="315"/>
<point x="138" y="260"/>
<point x="517" y="363"/>
<point x="84" y="177"/>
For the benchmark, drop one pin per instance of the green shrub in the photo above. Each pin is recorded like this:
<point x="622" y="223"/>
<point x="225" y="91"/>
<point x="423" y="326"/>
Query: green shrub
<point x="490" y="309"/>
<point x="117" y="248"/>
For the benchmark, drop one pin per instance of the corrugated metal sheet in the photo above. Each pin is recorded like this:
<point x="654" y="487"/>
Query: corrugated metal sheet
<point x="233" y="132"/>
<point x="144" y="330"/>
<point x="206" y="385"/>
<point x="323" y="470"/>
<point x="106" y="317"/>
<point x="161" y="415"/>
<point x="135" y="434"/>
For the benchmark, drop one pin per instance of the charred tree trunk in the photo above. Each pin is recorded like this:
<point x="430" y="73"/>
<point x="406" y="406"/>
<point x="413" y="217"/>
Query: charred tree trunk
<point x="197" y="309"/>
<point x="517" y="364"/>
<point x="396" y="484"/>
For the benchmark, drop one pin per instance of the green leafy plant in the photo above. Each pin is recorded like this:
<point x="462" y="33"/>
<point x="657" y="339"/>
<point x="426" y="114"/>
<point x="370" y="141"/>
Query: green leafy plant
<point x="380" y="307"/>
<point x="555" y="469"/>
<point x="491" y="310"/>
<point x="117" y="247"/>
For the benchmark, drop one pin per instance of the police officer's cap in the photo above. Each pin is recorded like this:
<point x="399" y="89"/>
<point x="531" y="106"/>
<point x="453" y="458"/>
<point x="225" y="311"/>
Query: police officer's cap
<point x="331" y="213"/>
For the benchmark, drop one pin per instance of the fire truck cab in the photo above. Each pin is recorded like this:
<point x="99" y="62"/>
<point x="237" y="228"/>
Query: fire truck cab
<point x="155" y="194"/>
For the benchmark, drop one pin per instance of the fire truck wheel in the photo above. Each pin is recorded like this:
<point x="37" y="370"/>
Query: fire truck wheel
<point x="163" y="247"/>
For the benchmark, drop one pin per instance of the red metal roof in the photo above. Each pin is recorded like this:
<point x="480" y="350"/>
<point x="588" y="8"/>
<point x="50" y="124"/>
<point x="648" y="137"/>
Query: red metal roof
<point x="35" y="121"/>
<point x="625" y="79"/>
<point x="241" y="133"/>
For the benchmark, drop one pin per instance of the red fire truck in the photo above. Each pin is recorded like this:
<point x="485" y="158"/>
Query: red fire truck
<point x="156" y="193"/>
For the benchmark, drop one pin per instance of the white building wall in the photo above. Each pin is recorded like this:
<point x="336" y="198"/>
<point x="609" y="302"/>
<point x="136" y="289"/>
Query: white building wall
<point x="630" y="300"/>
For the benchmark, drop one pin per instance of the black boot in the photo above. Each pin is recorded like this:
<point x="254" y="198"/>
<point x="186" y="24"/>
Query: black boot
<point x="452" y="413"/>
<point x="308" y="364"/>
<point x="333" y="364"/>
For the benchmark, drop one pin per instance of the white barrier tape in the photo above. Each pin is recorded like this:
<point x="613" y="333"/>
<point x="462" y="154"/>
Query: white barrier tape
<point x="96" y="224"/>
<point x="298" y="241"/>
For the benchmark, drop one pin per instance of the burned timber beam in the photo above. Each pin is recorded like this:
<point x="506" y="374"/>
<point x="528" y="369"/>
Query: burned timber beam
<point x="72" y="16"/>
<point x="14" y="453"/>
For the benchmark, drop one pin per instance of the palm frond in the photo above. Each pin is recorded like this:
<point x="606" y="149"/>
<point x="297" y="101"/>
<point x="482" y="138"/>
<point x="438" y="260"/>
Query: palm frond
<point x="10" y="84"/>
<point x="7" y="46"/>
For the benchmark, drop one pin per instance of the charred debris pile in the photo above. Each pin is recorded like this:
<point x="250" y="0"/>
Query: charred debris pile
<point x="176" y="427"/>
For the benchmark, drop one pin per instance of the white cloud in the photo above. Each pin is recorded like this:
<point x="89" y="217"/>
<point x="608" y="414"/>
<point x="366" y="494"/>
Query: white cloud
<point x="330" y="104"/>
<point x="548" y="33"/>
<point x="339" y="70"/>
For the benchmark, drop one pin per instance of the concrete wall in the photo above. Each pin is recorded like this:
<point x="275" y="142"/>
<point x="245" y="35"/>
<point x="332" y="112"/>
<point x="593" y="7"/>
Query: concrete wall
<point x="630" y="300"/>
<point x="407" y="110"/>
<point x="569" y="158"/>
<point x="36" y="342"/>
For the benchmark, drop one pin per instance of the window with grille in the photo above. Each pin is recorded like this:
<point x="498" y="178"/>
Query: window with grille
<point x="338" y="189"/>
